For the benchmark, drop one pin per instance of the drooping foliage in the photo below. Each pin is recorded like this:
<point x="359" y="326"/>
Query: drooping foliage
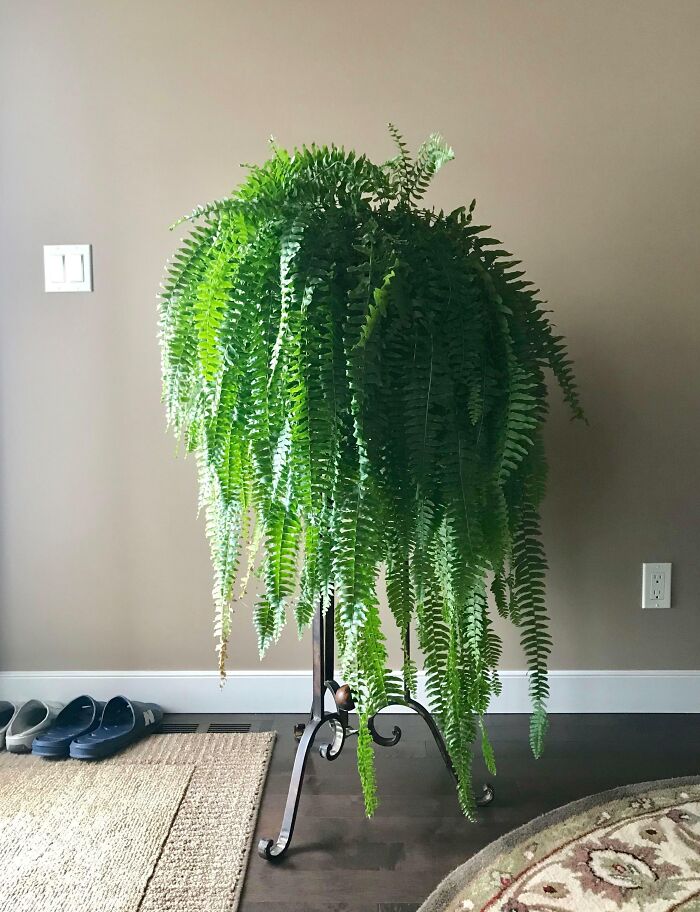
<point x="363" y="383"/>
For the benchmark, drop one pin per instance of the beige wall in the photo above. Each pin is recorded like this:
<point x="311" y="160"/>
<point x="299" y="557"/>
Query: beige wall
<point x="576" y="124"/>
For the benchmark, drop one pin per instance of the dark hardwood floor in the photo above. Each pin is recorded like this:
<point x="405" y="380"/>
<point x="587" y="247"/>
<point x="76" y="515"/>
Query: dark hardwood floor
<point x="341" y="862"/>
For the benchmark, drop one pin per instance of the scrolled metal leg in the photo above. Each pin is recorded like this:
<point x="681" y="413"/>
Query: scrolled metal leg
<point x="275" y="850"/>
<point x="383" y="740"/>
<point x="486" y="797"/>
<point x="434" y="730"/>
<point x="332" y="750"/>
<point x="487" y="792"/>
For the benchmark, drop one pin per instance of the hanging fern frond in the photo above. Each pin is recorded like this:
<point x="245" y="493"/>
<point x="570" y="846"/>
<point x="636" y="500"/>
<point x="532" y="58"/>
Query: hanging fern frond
<point x="363" y="384"/>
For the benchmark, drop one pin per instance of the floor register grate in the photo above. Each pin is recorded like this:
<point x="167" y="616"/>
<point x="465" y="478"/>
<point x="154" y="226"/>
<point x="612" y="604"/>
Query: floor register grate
<point x="178" y="728"/>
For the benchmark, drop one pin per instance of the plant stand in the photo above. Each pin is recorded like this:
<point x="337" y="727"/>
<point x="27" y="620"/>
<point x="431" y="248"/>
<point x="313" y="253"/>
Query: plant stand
<point x="323" y="645"/>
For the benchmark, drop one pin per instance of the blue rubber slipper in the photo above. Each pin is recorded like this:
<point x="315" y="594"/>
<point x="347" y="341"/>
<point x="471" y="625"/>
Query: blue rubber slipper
<point x="123" y="722"/>
<point x="80" y="716"/>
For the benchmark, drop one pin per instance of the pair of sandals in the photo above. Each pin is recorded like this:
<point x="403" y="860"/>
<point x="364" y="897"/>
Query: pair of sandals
<point x="84" y="729"/>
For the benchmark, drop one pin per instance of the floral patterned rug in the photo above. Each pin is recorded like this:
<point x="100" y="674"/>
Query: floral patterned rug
<point x="630" y="849"/>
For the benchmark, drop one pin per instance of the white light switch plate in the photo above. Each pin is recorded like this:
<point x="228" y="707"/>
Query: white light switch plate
<point x="656" y="585"/>
<point x="68" y="267"/>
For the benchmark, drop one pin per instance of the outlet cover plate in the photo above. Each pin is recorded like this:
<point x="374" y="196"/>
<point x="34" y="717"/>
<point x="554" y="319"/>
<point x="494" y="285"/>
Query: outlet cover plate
<point x="656" y="585"/>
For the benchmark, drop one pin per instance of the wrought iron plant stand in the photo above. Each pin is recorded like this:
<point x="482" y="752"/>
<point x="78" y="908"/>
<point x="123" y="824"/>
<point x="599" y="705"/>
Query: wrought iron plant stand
<point x="323" y="645"/>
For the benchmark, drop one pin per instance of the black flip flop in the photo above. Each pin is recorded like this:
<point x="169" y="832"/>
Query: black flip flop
<point x="123" y="722"/>
<point x="80" y="716"/>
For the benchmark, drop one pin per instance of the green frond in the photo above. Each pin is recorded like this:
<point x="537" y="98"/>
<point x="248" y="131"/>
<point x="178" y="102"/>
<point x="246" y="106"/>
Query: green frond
<point x="487" y="749"/>
<point x="432" y="155"/>
<point x="529" y="567"/>
<point x="365" y="765"/>
<point x="363" y="384"/>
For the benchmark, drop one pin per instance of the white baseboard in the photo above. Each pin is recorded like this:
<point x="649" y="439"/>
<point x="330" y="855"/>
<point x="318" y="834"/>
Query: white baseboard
<point x="290" y="691"/>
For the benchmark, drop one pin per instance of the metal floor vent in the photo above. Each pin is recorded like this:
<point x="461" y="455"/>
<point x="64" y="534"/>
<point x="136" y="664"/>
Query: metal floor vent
<point x="178" y="728"/>
<point x="227" y="727"/>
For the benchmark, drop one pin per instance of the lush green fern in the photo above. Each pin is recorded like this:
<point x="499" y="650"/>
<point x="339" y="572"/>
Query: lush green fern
<point x="363" y="383"/>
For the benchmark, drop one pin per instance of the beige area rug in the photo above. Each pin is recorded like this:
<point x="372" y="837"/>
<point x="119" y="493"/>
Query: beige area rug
<point x="164" y="826"/>
<point x="632" y="849"/>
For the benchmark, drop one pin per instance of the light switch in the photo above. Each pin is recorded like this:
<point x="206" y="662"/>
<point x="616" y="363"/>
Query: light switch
<point x="68" y="267"/>
<point x="75" y="271"/>
<point x="55" y="268"/>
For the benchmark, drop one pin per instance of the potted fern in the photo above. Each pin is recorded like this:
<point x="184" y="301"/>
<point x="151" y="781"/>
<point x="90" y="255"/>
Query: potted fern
<point x="363" y="383"/>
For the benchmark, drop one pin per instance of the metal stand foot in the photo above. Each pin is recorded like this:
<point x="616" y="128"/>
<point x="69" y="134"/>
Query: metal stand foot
<point x="486" y="797"/>
<point x="268" y="848"/>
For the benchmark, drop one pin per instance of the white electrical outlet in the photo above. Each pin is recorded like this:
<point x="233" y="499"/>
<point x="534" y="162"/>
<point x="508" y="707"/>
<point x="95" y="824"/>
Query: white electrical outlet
<point x="656" y="585"/>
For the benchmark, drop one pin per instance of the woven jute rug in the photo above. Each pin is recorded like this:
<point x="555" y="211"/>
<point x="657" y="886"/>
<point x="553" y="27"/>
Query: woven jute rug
<point x="632" y="849"/>
<point x="164" y="826"/>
